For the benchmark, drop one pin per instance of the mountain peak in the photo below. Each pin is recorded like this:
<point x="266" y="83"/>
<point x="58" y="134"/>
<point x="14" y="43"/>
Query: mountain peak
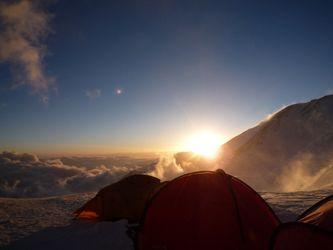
<point x="296" y="142"/>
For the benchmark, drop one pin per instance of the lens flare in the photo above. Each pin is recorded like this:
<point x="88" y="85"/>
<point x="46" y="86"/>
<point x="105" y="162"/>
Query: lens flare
<point x="118" y="91"/>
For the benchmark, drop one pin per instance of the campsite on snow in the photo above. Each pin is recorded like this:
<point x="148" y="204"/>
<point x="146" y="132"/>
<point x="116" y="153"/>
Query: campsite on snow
<point x="153" y="201"/>
<point x="166" y="125"/>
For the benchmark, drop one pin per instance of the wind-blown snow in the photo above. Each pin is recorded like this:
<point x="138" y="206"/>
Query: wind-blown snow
<point x="291" y="151"/>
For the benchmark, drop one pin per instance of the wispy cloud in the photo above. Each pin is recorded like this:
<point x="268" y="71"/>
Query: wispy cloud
<point x="25" y="24"/>
<point x="93" y="94"/>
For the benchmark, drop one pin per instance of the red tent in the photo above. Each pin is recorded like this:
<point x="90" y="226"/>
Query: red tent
<point x="320" y="214"/>
<point x="125" y="199"/>
<point x="301" y="236"/>
<point x="206" y="210"/>
<point x="312" y="231"/>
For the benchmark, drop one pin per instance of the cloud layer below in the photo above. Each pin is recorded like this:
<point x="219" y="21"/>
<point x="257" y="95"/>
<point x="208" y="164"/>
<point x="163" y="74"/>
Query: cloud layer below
<point x="25" y="175"/>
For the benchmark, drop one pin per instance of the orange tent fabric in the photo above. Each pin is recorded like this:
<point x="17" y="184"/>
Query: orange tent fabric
<point x="206" y="210"/>
<point x="125" y="199"/>
<point x="301" y="236"/>
<point x="320" y="214"/>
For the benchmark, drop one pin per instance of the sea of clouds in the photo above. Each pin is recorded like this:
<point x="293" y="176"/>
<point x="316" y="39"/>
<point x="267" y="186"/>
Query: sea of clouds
<point x="26" y="175"/>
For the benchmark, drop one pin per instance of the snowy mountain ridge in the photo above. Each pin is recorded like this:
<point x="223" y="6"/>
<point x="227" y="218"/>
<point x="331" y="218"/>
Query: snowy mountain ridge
<point x="290" y="151"/>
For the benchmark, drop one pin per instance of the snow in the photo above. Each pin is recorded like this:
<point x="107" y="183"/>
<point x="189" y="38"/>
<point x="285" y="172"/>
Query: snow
<point x="292" y="150"/>
<point x="47" y="223"/>
<point x="22" y="217"/>
<point x="288" y="206"/>
<point x="79" y="235"/>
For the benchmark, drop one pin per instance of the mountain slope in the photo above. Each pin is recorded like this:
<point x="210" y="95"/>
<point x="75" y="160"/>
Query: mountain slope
<point x="290" y="151"/>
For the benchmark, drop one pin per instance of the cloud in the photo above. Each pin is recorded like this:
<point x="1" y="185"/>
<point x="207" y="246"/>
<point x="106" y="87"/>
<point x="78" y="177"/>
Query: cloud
<point x="93" y="94"/>
<point x="170" y="166"/>
<point x="166" y="168"/>
<point x="24" y="25"/>
<point x="25" y="175"/>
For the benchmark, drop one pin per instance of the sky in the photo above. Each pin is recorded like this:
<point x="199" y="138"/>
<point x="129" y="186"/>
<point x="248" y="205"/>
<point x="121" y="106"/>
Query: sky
<point x="88" y="77"/>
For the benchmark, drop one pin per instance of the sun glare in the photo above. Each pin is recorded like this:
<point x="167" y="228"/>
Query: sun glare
<point x="204" y="143"/>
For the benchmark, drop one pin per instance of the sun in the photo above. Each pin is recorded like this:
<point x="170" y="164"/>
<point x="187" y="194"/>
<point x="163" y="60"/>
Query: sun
<point x="204" y="143"/>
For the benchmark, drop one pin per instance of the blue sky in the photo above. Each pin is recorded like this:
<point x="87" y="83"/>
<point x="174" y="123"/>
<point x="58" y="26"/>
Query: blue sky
<point x="183" y="66"/>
